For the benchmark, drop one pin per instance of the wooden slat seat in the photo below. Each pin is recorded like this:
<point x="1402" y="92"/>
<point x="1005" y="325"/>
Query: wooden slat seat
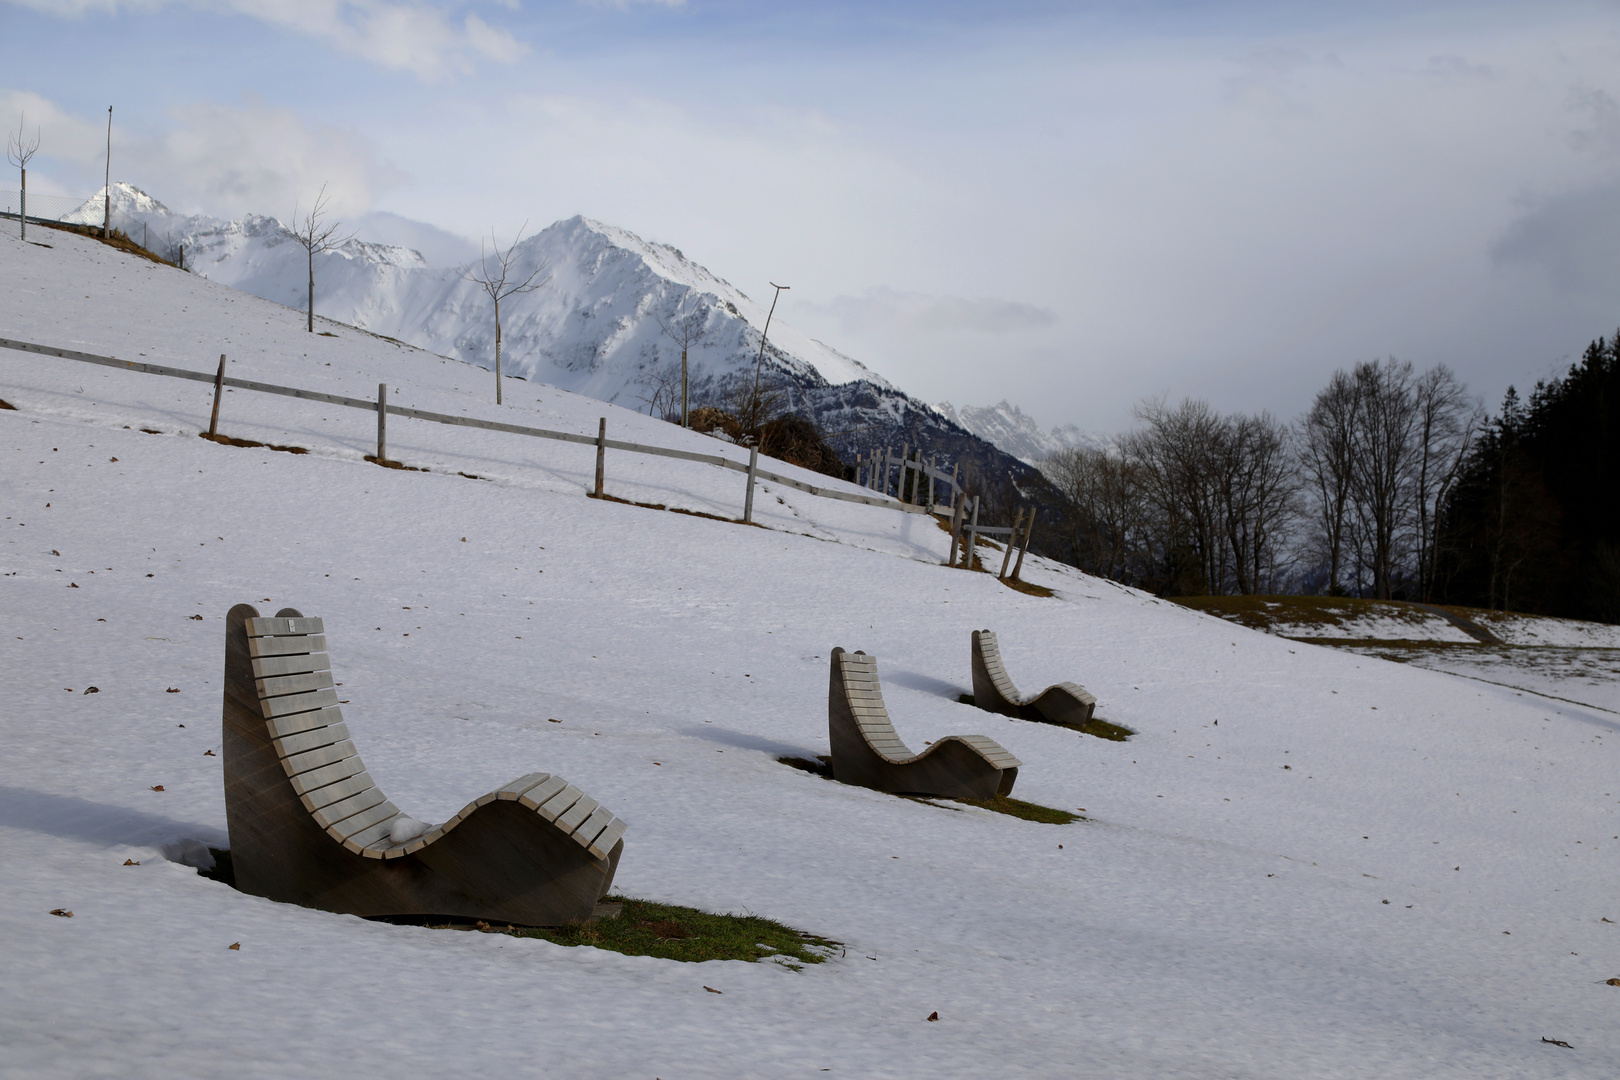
<point x="993" y="690"/>
<point x="308" y="824"/>
<point x="868" y="752"/>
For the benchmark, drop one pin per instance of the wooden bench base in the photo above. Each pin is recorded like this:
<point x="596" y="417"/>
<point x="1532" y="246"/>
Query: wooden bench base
<point x="993" y="690"/>
<point x="867" y="752"/>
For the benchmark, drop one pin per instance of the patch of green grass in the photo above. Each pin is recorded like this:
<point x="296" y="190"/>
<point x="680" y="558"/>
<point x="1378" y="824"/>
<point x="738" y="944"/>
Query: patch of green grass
<point x="1001" y="804"/>
<point x="1026" y="811"/>
<point x="1328" y="612"/>
<point x="1102" y="729"/>
<point x="670" y="932"/>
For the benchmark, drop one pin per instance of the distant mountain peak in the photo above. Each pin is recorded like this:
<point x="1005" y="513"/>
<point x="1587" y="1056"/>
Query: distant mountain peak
<point x="1013" y="431"/>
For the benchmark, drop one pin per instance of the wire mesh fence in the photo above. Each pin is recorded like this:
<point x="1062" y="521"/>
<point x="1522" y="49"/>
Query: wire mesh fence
<point x="65" y="208"/>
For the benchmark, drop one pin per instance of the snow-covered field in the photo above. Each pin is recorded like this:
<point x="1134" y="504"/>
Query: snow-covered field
<point x="1306" y="864"/>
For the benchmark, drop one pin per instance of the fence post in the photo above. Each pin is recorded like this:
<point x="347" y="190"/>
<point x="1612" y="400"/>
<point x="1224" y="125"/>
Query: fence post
<point x="601" y="453"/>
<point x="748" y="500"/>
<point x="973" y="534"/>
<point x="931" y="470"/>
<point x="219" y="388"/>
<point x="1028" y="530"/>
<point x="1012" y="539"/>
<point x="956" y="530"/>
<point x="880" y="476"/>
<point x="382" y="423"/>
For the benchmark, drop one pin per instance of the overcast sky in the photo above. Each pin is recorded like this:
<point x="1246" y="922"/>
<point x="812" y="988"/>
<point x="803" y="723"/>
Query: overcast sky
<point x="1072" y="206"/>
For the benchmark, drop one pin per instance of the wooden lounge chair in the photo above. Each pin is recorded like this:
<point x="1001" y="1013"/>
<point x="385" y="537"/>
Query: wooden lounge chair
<point x="1065" y="703"/>
<point x="309" y="826"/>
<point x="867" y="752"/>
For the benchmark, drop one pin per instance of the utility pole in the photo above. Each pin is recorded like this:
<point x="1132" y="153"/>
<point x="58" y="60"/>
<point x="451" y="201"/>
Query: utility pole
<point x="106" y="213"/>
<point x="758" y="364"/>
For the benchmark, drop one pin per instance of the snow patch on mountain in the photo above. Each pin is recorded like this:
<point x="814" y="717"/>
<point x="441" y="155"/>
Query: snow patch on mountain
<point x="592" y="329"/>
<point x="1010" y="429"/>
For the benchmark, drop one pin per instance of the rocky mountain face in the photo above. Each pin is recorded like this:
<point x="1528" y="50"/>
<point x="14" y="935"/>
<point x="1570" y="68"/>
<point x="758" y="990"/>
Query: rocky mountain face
<point x="596" y="327"/>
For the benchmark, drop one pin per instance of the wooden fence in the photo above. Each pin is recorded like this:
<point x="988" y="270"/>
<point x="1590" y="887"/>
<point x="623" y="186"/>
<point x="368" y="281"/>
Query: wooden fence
<point x="600" y="441"/>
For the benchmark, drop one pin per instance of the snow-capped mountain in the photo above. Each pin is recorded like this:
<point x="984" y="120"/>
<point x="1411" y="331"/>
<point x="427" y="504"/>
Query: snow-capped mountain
<point x="594" y="328"/>
<point x="1015" y="432"/>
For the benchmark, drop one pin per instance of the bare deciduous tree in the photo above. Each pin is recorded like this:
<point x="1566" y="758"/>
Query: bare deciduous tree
<point x="317" y="236"/>
<point x="1448" y="422"/>
<point x="686" y="327"/>
<point x="1326" y="438"/>
<point x="19" y="149"/>
<point x="1175" y="455"/>
<point x="1108" y="519"/>
<point x="1258" y="486"/>
<point x="662" y="386"/>
<point x="504" y="284"/>
<point x="1382" y="456"/>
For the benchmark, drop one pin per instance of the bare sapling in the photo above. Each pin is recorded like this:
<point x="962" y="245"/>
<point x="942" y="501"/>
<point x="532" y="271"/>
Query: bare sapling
<point x="19" y="149"/>
<point x="502" y="284"/>
<point x="317" y="235"/>
<point x="687" y="328"/>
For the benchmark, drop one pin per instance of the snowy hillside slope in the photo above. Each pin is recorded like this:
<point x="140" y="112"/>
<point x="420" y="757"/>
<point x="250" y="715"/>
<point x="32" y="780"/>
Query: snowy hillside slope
<point x="1009" y="428"/>
<point x="1306" y="863"/>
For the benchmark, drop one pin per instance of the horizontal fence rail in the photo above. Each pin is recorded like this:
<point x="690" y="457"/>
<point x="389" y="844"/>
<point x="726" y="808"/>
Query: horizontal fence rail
<point x="461" y="421"/>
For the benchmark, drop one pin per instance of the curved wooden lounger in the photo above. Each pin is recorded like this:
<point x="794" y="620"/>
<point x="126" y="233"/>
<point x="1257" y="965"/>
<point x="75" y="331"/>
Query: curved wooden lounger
<point x="867" y="752"/>
<point x="993" y="690"/>
<point x="308" y="826"/>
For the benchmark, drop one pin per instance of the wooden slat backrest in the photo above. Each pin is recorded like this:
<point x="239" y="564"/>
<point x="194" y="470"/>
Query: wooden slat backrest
<point x="293" y="676"/>
<point x="864" y="693"/>
<point x="991" y="652"/>
<point x="297" y="696"/>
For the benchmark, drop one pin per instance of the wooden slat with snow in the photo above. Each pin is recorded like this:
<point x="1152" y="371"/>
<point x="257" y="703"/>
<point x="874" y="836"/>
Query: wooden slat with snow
<point x="993" y="690"/>
<point x="308" y="825"/>
<point x="868" y="752"/>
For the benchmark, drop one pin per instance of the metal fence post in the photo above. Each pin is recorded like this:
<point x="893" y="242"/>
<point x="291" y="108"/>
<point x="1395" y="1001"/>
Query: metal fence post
<point x="382" y="423"/>
<point x="601" y="453"/>
<point x="748" y="500"/>
<point x="219" y="388"/>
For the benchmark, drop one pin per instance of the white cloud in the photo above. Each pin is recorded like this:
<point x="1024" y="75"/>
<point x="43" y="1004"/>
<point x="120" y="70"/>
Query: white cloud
<point x="221" y="159"/>
<point x="624" y="5"/>
<point x="890" y="310"/>
<point x="402" y="35"/>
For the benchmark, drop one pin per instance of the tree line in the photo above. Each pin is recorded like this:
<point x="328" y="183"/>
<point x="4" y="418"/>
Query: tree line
<point x="1353" y="498"/>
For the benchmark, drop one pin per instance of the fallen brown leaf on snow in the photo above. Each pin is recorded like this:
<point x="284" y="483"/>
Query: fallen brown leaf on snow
<point x="131" y="862"/>
<point x="712" y="990"/>
<point x="157" y="787"/>
<point x="236" y="946"/>
<point x="64" y="912"/>
<point x="92" y="689"/>
<point x="933" y="1016"/>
